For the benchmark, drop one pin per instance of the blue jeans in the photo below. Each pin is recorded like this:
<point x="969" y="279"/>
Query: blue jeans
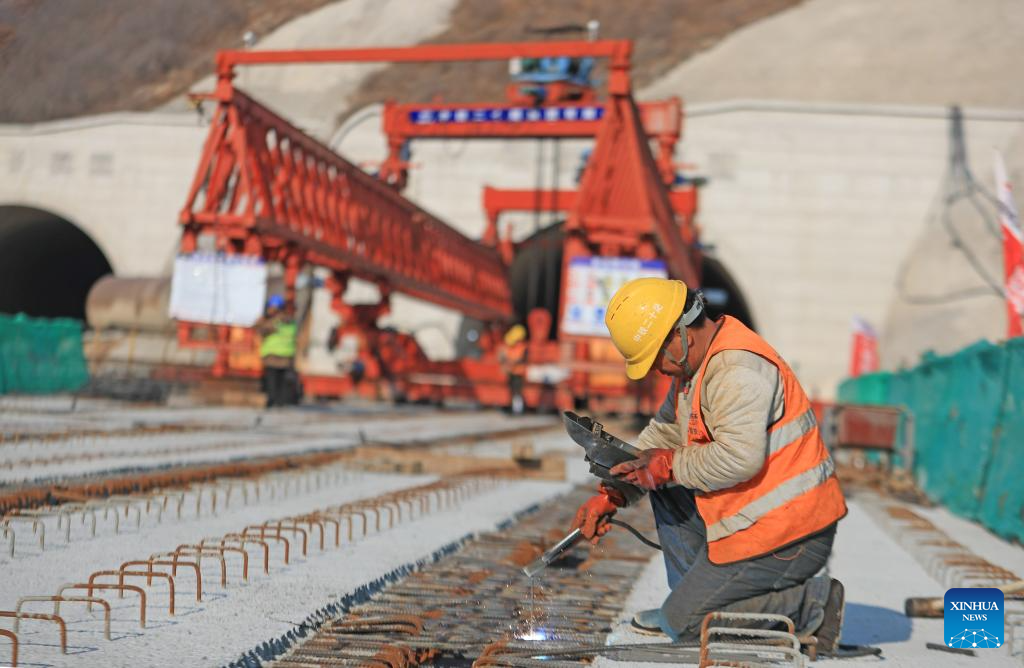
<point x="781" y="583"/>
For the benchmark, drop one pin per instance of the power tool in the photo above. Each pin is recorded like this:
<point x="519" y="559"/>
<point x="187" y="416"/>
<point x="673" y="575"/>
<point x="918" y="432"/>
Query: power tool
<point x="603" y="451"/>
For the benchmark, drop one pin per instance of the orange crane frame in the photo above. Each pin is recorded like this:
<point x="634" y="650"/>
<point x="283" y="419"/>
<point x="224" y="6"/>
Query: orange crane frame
<point x="265" y="188"/>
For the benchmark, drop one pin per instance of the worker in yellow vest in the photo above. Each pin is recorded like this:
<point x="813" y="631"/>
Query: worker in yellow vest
<point x="744" y="493"/>
<point x="512" y="356"/>
<point x="277" y="353"/>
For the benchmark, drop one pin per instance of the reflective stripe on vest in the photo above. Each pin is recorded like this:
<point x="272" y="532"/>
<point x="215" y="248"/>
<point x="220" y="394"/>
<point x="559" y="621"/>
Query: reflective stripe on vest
<point x="792" y="430"/>
<point x="795" y="494"/>
<point x="755" y="510"/>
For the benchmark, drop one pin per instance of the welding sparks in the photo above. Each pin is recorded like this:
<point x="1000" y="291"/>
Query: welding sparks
<point x="534" y="634"/>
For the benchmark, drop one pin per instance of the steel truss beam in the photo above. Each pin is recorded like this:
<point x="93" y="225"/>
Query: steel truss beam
<point x="262" y="177"/>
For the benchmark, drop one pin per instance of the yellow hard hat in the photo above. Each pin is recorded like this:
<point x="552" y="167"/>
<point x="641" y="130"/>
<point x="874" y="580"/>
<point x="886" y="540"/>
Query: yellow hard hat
<point x="639" y="318"/>
<point x="514" y="335"/>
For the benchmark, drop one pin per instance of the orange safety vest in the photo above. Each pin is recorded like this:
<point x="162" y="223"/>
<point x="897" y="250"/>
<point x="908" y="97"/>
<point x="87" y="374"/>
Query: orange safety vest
<point x="514" y="359"/>
<point x="796" y="492"/>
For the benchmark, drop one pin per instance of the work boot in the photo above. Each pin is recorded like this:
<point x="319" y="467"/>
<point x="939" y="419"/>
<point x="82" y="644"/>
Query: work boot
<point x="832" y="625"/>
<point x="647" y="622"/>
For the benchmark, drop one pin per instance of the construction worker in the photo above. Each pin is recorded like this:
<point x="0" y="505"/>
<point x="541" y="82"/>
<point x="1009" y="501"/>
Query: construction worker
<point x="743" y="490"/>
<point x="278" y="329"/>
<point x="513" y="362"/>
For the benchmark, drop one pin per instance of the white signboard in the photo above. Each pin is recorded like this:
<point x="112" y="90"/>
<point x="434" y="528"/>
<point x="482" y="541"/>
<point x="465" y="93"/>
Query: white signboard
<point x="218" y="289"/>
<point x="592" y="282"/>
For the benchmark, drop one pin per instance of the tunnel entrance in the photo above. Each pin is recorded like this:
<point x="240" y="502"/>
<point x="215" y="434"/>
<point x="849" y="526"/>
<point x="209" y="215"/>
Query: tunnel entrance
<point x="536" y="276"/>
<point x="722" y="293"/>
<point x="47" y="264"/>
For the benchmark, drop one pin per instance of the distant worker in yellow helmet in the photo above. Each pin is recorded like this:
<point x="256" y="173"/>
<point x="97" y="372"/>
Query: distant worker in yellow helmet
<point x="512" y="356"/>
<point x="743" y="490"/>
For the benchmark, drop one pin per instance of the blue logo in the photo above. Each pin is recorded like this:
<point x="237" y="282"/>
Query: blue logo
<point x="973" y="618"/>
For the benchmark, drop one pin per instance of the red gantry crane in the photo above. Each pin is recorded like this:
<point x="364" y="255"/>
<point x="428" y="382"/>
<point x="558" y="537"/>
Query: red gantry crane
<point x="264" y="188"/>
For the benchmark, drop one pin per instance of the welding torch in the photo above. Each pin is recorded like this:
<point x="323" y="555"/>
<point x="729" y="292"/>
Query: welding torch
<point x="567" y="543"/>
<point x="603" y="452"/>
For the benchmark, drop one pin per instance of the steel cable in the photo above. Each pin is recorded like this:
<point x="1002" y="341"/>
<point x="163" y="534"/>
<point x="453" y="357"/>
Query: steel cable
<point x="639" y="536"/>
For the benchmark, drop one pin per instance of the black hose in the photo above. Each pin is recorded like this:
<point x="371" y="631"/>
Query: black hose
<point x="639" y="536"/>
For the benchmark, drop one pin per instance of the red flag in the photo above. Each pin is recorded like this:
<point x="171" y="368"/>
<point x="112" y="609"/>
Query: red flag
<point x="864" y="351"/>
<point x="1013" y="250"/>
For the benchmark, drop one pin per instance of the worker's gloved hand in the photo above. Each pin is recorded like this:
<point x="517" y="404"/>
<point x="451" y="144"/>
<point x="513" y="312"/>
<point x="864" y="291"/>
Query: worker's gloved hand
<point x="592" y="517"/>
<point x="652" y="469"/>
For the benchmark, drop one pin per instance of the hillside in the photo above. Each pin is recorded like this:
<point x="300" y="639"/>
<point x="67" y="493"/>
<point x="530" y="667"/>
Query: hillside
<point x="665" y="32"/>
<point x="63" y="58"/>
<point x="60" y="58"/>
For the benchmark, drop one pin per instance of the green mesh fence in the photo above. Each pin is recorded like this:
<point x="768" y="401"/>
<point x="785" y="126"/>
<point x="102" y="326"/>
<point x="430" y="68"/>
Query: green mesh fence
<point x="968" y="411"/>
<point x="1002" y="501"/>
<point x="41" y="355"/>
<point x="872" y="389"/>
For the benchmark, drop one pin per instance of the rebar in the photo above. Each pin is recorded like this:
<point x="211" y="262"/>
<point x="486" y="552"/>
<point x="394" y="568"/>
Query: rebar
<point x="57" y="600"/>
<point x="90" y="586"/>
<point x="14" y="645"/>
<point x="61" y="626"/>
<point x="152" y="494"/>
<point x="457" y="608"/>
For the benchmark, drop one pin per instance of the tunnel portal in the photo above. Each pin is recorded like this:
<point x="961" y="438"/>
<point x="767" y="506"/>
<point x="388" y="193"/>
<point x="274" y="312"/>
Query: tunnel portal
<point x="47" y="264"/>
<point x="536" y="274"/>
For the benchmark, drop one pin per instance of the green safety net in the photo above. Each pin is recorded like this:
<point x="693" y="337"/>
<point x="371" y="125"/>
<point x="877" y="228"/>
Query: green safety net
<point x="41" y="355"/>
<point x="968" y="428"/>
<point x="1002" y="503"/>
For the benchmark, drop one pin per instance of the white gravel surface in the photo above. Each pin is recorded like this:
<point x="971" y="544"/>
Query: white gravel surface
<point x="234" y="619"/>
<point x="556" y="440"/>
<point x="878" y="575"/>
<point x="976" y="538"/>
<point x="55" y="411"/>
<point x="40" y="570"/>
<point x="255" y="433"/>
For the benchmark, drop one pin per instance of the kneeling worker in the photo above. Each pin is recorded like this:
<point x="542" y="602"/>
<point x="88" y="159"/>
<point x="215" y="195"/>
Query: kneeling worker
<point x="743" y="490"/>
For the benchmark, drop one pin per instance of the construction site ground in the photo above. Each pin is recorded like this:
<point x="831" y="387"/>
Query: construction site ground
<point x="366" y="499"/>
